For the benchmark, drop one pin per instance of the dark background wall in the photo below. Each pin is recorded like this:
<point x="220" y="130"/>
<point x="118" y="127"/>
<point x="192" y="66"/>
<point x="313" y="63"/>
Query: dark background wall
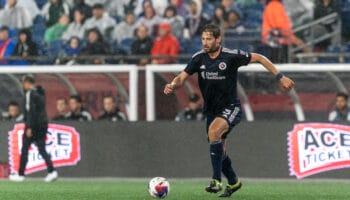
<point x="144" y="149"/>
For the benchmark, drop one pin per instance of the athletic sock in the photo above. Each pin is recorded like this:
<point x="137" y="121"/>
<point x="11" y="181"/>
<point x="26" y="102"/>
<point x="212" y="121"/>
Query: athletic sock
<point x="216" y="151"/>
<point x="228" y="171"/>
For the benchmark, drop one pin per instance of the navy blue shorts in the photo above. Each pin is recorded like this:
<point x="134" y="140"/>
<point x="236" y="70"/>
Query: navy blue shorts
<point x="232" y="114"/>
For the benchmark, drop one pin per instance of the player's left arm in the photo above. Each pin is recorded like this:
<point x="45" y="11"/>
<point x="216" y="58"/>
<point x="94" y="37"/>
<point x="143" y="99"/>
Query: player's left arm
<point x="285" y="82"/>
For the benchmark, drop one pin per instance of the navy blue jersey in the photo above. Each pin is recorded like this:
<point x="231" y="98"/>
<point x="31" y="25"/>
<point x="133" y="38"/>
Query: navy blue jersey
<point x="217" y="78"/>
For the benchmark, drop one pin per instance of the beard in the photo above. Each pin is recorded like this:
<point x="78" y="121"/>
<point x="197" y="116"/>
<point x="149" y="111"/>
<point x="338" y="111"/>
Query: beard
<point x="211" y="50"/>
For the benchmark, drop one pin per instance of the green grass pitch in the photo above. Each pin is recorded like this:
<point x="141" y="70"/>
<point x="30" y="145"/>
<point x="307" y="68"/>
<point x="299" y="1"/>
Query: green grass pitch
<point x="120" y="189"/>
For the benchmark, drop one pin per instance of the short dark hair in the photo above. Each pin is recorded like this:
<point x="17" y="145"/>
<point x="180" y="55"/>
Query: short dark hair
<point x="343" y="94"/>
<point x="109" y="97"/>
<point x="28" y="78"/>
<point x="98" y="6"/>
<point x="12" y="103"/>
<point x="212" y="28"/>
<point x="76" y="98"/>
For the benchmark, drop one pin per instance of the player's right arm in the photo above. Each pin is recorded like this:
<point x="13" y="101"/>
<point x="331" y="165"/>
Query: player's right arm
<point x="177" y="82"/>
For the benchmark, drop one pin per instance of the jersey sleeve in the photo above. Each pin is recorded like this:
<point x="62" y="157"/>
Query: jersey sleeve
<point x="242" y="58"/>
<point x="193" y="66"/>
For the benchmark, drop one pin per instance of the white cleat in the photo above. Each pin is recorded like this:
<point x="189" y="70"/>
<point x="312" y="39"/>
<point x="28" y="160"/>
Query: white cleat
<point x="51" y="177"/>
<point x="16" y="178"/>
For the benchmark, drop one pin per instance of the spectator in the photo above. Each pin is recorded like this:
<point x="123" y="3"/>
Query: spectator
<point x="13" y="113"/>
<point x="25" y="48"/>
<point x="150" y="19"/>
<point x="31" y="7"/>
<point x="84" y="8"/>
<point x="121" y="7"/>
<point x="195" y="20"/>
<point x="342" y="111"/>
<point x="94" y="2"/>
<point x="101" y="20"/>
<point x="15" y="16"/>
<point x="176" y="22"/>
<point x="180" y="7"/>
<point x="110" y="110"/>
<point x="193" y="111"/>
<point x="125" y="29"/>
<point x="158" y="5"/>
<point x="95" y="46"/>
<point x="77" y="112"/>
<point x="53" y="10"/>
<point x="73" y="49"/>
<point x="165" y="45"/>
<point x="62" y="109"/>
<point x="219" y="15"/>
<point x="142" y="45"/>
<point x="230" y="5"/>
<point x="7" y="46"/>
<point x="277" y="31"/>
<point x="56" y="31"/>
<point x="322" y="9"/>
<point x="233" y="22"/>
<point x="299" y="11"/>
<point x="76" y="28"/>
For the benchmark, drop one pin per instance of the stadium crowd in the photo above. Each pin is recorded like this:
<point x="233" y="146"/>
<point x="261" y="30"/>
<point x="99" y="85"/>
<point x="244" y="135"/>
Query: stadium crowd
<point x="58" y="28"/>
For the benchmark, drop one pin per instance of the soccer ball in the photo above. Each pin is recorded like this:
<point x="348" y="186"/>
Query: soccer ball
<point x="158" y="187"/>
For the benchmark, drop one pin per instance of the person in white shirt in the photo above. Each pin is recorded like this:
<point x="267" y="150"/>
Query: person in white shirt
<point x="15" y="16"/>
<point x="100" y="19"/>
<point x="342" y="111"/>
<point x="126" y="28"/>
<point x="76" y="28"/>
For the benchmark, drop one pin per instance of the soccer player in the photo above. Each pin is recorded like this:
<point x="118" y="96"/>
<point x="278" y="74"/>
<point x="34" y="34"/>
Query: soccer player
<point x="217" y="77"/>
<point x="36" y="124"/>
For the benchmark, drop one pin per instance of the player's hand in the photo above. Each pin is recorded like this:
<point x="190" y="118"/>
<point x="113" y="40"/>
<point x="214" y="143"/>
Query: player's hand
<point x="169" y="89"/>
<point x="29" y="132"/>
<point x="286" y="84"/>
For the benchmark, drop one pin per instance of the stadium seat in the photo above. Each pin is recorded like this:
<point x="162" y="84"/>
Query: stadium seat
<point x="125" y="45"/>
<point x="41" y="3"/>
<point x="194" y="45"/>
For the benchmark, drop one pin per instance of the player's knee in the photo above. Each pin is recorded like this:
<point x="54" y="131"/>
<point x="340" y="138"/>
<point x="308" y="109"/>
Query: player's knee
<point x="214" y="134"/>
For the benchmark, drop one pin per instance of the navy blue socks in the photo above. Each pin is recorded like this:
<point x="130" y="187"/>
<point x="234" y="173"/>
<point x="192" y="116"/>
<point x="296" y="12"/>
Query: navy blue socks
<point x="228" y="171"/>
<point x="216" y="153"/>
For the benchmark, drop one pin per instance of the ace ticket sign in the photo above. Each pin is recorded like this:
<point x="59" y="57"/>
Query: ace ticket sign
<point x="318" y="147"/>
<point x="62" y="143"/>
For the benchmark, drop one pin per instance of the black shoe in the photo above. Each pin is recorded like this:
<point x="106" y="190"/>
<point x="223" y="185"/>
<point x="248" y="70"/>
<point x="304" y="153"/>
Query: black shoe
<point x="230" y="189"/>
<point x="215" y="186"/>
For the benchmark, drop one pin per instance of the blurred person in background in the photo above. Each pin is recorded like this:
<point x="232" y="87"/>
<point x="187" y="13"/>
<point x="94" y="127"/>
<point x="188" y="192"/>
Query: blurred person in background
<point x="84" y="8"/>
<point x="149" y="18"/>
<point x="195" y="20"/>
<point x="7" y="45"/>
<point x="15" y="16"/>
<point x="13" y="113"/>
<point x="142" y="45"/>
<point x="125" y="29"/>
<point x="180" y="7"/>
<point x="72" y="49"/>
<point x="36" y="124"/>
<point x="277" y="32"/>
<point x="31" y="7"/>
<point x="231" y="5"/>
<point x="322" y="9"/>
<point x="56" y="31"/>
<point x="110" y="110"/>
<point x="219" y="15"/>
<point x="158" y="5"/>
<point x="94" y="2"/>
<point x="62" y="109"/>
<point x="77" y="112"/>
<point x="95" y="46"/>
<point x="342" y="111"/>
<point x="194" y="110"/>
<point x="101" y="20"/>
<point x="76" y="28"/>
<point x="53" y="10"/>
<point x="25" y="48"/>
<point x="233" y="22"/>
<point x="176" y="21"/>
<point x="165" y="45"/>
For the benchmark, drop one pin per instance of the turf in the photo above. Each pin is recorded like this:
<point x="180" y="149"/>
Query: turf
<point x="116" y="189"/>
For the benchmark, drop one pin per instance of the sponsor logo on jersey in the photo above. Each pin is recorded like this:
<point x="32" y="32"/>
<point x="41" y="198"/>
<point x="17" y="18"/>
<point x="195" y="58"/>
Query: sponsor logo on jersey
<point x="222" y="66"/>
<point x="62" y="143"/>
<point x="318" y="147"/>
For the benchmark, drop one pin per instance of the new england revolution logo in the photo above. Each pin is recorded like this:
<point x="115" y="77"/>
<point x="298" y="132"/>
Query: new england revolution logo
<point x="222" y="66"/>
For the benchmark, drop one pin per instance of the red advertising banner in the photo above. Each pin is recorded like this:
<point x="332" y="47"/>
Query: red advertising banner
<point x="318" y="147"/>
<point x="62" y="143"/>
